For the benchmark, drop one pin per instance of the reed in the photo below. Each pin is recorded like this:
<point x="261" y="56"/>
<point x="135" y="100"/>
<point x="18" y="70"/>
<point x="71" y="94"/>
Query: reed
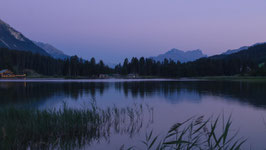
<point x="69" y="128"/>
<point x="65" y="128"/>
<point x="196" y="134"/>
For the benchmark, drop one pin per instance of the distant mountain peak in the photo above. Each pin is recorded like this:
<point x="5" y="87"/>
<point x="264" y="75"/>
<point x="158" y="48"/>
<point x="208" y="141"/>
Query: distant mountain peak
<point x="179" y="55"/>
<point x="174" y="50"/>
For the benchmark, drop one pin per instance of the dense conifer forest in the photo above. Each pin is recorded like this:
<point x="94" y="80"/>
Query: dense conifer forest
<point x="19" y="61"/>
<point x="246" y="62"/>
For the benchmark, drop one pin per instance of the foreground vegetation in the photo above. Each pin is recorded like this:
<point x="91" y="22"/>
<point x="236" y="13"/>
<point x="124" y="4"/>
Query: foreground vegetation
<point x="39" y="129"/>
<point x="196" y="134"/>
<point x="67" y="129"/>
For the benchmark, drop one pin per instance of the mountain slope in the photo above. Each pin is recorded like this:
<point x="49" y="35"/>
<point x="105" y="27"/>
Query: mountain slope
<point x="12" y="39"/>
<point x="229" y="52"/>
<point x="243" y="62"/>
<point x="255" y="53"/>
<point x="179" y="55"/>
<point x="54" y="52"/>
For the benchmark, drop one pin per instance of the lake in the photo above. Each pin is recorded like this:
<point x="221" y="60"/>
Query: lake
<point x="164" y="103"/>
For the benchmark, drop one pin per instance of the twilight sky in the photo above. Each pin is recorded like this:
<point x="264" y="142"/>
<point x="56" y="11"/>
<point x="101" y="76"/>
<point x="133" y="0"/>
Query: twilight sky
<point x="114" y="29"/>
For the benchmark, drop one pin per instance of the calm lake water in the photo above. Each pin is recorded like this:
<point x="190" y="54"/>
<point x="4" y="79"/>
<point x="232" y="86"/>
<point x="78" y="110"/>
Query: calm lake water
<point x="165" y="102"/>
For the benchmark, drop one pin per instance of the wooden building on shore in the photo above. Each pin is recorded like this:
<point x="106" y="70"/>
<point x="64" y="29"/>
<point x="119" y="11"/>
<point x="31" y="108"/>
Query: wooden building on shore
<point x="9" y="74"/>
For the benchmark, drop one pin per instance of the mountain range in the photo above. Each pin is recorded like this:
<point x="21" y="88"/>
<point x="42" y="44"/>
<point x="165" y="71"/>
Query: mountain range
<point x="12" y="39"/>
<point x="192" y="55"/>
<point x="179" y="55"/>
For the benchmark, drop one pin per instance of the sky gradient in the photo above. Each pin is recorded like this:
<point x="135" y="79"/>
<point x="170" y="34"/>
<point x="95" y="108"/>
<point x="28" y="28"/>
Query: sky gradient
<point x="114" y="29"/>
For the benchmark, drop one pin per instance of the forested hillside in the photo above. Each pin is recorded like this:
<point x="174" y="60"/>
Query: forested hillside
<point x="18" y="61"/>
<point x="246" y="62"/>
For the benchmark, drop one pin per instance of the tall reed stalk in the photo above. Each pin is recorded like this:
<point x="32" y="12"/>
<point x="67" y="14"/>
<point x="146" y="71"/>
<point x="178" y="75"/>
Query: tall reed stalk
<point x="196" y="134"/>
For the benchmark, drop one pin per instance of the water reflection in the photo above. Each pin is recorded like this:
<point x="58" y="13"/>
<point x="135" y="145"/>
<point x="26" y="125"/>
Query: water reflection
<point x="17" y="93"/>
<point x="172" y="101"/>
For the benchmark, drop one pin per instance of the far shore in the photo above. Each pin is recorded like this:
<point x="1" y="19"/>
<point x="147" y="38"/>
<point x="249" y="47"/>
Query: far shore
<point x="84" y="79"/>
<point x="96" y="80"/>
<point x="234" y="78"/>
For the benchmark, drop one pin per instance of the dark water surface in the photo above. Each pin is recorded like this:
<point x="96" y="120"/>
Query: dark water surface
<point x="165" y="102"/>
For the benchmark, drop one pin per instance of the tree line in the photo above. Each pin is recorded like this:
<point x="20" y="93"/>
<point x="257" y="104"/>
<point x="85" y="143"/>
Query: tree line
<point x="246" y="62"/>
<point x="18" y="61"/>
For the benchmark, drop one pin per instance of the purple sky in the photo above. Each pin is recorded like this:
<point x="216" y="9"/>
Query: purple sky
<point x="114" y="29"/>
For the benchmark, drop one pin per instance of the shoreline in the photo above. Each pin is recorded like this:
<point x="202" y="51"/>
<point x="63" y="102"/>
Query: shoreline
<point x="209" y="78"/>
<point x="94" y="80"/>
